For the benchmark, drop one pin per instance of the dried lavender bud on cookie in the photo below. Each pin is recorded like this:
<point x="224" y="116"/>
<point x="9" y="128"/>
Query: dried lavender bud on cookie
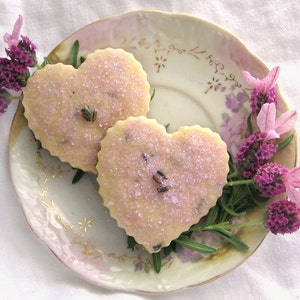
<point x="69" y="110"/>
<point x="156" y="185"/>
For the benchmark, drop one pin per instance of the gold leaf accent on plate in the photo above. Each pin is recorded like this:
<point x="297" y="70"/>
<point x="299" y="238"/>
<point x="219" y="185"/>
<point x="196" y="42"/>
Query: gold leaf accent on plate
<point x="85" y="224"/>
<point x="53" y="171"/>
<point x="51" y="207"/>
<point x="219" y="71"/>
<point x="160" y="63"/>
<point x="44" y="192"/>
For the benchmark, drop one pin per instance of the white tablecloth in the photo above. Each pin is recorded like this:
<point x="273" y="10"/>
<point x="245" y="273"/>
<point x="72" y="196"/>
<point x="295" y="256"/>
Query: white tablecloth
<point x="271" y="29"/>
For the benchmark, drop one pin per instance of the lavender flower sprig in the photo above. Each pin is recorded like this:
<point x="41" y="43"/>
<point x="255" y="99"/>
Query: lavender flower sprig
<point x="254" y="179"/>
<point x="263" y="89"/>
<point x="15" y="68"/>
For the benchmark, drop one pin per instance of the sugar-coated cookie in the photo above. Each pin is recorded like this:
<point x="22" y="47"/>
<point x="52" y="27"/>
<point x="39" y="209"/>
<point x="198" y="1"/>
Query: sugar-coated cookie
<point x="69" y="110"/>
<point x="156" y="185"/>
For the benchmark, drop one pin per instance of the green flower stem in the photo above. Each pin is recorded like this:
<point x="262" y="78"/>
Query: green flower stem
<point x="233" y="174"/>
<point x="239" y="182"/>
<point x="226" y="225"/>
<point x="44" y="63"/>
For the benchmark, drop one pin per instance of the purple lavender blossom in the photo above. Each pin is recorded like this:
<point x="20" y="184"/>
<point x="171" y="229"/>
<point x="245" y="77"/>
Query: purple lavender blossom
<point x="13" y="76"/>
<point x="23" y="53"/>
<point x="282" y="217"/>
<point x="263" y="89"/>
<point x="269" y="179"/>
<point x="14" y="69"/>
<point x="258" y="99"/>
<point x="255" y="151"/>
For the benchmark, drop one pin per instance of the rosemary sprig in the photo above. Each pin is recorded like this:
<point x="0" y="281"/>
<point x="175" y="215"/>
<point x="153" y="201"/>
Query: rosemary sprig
<point x="78" y="175"/>
<point x="156" y="259"/>
<point x="229" y="210"/>
<point x="195" y="246"/>
<point x="237" y="243"/>
<point x="73" y="57"/>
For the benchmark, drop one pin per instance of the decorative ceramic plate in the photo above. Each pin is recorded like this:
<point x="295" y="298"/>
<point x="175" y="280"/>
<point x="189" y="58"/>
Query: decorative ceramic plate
<point x="195" y="69"/>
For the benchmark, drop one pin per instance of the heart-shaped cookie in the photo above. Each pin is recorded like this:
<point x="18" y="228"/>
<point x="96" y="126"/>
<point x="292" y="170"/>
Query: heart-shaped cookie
<point x="69" y="110"/>
<point x="156" y="185"/>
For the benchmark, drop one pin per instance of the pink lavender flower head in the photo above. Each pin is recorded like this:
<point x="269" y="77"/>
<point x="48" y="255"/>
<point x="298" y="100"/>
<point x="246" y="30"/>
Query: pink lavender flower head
<point x="269" y="179"/>
<point x="13" y="39"/>
<point x="254" y="152"/>
<point x="23" y="53"/>
<point x="14" y="69"/>
<point x="21" y="50"/>
<point x="283" y="216"/>
<point x="263" y="89"/>
<point x="13" y="76"/>
<point x="272" y="126"/>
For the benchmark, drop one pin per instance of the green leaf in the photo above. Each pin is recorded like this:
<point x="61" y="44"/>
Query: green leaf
<point x="167" y="250"/>
<point x="285" y="142"/>
<point x="82" y="59"/>
<point x="232" y="239"/>
<point x="131" y="242"/>
<point x="212" y="215"/>
<point x="249" y="124"/>
<point x="46" y="61"/>
<point x="230" y="210"/>
<point x="156" y="258"/>
<point x="231" y="164"/>
<point x="78" y="175"/>
<point x="152" y="95"/>
<point x="195" y="246"/>
<point x="74" y="54"/>
<point x="256" y="198"/>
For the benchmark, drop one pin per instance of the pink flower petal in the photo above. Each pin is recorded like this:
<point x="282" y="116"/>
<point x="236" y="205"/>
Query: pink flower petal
<point x="286" y="122"/>
<point x="265" y="84"/>
<point x="266" y="120"/>
<point x="252" y="81"/>
<point x="294" y="195"/>
<point x="292" y="178"/>
<point x="291" y="181"/>
<point x="270" y="80"/>
<point x="13" y="39"/>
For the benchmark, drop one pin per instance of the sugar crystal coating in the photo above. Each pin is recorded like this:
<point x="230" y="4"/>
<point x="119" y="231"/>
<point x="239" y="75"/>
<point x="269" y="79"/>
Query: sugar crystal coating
<point x="156" y="185"/>
<point x="110" y="82"/>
